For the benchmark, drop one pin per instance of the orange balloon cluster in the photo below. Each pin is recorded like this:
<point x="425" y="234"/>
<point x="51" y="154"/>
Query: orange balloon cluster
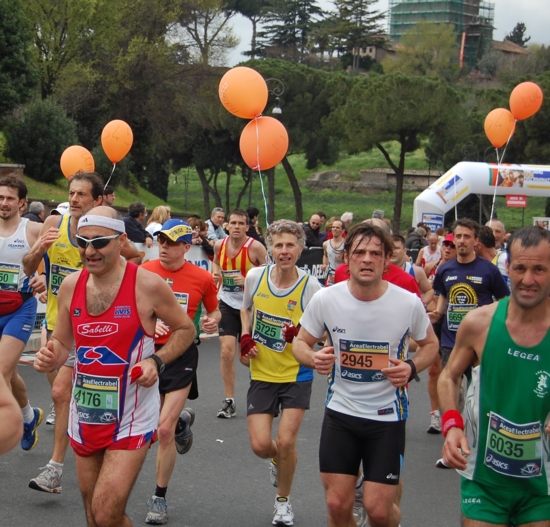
<point x="500" y="124"/>
<point x="263" y="143"/>
<point x="74" y="159"/>
<point x="116" y="139"/>
<point x="264" y="140"/>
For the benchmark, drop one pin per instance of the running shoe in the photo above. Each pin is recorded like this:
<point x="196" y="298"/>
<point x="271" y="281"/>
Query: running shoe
<point x="228" y="409"/>
<point x="30" y="432"/>
<point x="441" y="464"/>
<point x="283" y="514"/>
<point x="359" y="512"/>
<point x="158" y="511"/>
<point x="49" y="480"/>
<point x="184" y="435"/>
<point x="435" y="424"/>
<point x="273" y="473"/>
<point x="50" y="420"/>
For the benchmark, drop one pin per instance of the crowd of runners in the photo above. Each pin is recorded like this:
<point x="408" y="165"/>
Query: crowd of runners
<point x="121" y="350"/>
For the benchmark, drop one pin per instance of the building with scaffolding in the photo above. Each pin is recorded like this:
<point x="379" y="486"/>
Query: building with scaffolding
<point x="472" y="19"/>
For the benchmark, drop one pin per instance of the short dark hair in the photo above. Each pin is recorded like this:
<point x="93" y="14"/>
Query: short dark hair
<point x="367" y="230"/>
<point x="252" y="211"/>
<point x="321" y="214"/>
<point x="527" y="237"/>
<point x="486" y="237"/>
<point x="109" y="189"/>
<point x="95" y="180"/>
<point x="15" y="183"/>
<point x="237" y="212"/>
<point x="469" y="224"/>
<point x="135" y="209"/>
<point x="398" y="238"/>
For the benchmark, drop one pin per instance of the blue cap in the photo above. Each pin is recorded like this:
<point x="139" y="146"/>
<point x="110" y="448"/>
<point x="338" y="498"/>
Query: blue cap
<point x="177" y="231"/>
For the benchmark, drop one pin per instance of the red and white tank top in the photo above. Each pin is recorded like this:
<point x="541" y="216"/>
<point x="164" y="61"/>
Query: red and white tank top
<point x="230" y="292"/>
<point x="105" y="406"/>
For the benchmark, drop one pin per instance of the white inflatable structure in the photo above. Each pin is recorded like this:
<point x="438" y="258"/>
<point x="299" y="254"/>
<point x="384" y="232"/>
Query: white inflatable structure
<point x="478" y="178"/>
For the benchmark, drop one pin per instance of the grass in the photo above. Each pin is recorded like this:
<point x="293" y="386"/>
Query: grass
<point x="185" y="195"/>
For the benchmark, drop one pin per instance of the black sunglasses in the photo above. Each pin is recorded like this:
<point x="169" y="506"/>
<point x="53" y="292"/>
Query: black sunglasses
<point x="96" y="243"/>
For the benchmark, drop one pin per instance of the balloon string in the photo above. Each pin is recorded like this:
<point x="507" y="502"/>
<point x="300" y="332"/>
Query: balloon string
<point x="259" y="169"/>
<point x="112" y="171"/>
<point x="499" y="161"/>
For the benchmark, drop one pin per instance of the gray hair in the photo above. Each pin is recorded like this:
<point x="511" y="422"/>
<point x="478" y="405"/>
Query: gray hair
<point x="283" y="227"/>
<point x="347" y="216"/>
<point x="36" y="207"/>
<point x="378" y="214"/>
<point x="215" y="210"/>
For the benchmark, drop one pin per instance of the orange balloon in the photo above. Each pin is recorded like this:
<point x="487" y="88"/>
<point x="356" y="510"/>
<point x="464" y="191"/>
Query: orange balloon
<point x="74" y="159"/>
<point x="499" y="126"/>
<point x="243" y="92"/>
<point x="116" y="139"/>
<point x="263" y="143"/>
<point x="525" y="100"/>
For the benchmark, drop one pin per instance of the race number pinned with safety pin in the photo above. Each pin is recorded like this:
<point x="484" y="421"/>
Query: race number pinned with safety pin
<point x="362" y="360"/>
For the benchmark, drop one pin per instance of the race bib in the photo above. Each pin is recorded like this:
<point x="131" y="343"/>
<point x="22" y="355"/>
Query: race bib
<point x="9" y="277"/>
<point x="456" y="313"/>
<point x="363" y="360"/>
<point x="228" y="282"/>
<point x="58" y="273"/>
<point x="512" y="449"/>
<point x="96" y="399"/>
<point x="268" y="331"/>
<point x="183" y="300"/>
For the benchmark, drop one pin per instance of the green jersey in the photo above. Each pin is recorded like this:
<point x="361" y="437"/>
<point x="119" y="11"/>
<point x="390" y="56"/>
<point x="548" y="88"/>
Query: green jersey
<point x="507" y="408"/>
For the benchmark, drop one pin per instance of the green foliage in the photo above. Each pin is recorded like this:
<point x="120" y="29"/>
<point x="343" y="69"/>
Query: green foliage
<point x="37" y="136"/>
<point x="427" y="49"/>
<point x="517" y="36"/>
<point x="17" y="73"/>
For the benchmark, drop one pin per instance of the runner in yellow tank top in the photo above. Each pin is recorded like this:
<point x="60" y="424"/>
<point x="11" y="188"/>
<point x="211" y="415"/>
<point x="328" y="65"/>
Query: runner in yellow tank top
<point x="234" y="256"/>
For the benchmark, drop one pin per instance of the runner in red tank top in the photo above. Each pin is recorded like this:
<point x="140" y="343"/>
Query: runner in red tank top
<point x="112" y="418"/>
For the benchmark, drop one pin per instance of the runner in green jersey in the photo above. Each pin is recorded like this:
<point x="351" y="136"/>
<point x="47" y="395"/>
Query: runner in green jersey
<point x="504" y="453"/>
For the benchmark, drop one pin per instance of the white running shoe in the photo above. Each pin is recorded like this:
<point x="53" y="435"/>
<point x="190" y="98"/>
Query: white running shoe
<point x="283" y="514"/>
<point x="435" y="424"/>
<point x="359" y="512"/>
<point x="228" y="409"/>
<point x="158" y="511"/>
<point x="273" y="473"/>
<point x="49" y="480"/>
<point x="50" y="420"/>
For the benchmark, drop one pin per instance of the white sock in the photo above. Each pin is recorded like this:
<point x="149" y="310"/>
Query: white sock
<point x="436" y="413"/>
<point x="28" y="413"/>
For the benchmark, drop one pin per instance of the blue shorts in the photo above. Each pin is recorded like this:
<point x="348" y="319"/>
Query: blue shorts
<point x="20" y="323"/>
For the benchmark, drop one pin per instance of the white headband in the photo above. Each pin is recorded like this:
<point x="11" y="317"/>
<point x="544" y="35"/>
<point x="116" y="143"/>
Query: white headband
<point x="101" y="221"/>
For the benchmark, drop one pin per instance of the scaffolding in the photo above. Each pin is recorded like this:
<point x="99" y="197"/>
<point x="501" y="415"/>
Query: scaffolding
<point x="472" y="19"/>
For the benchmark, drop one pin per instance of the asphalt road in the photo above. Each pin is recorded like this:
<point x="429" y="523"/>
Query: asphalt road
<point x="220" y="482"/>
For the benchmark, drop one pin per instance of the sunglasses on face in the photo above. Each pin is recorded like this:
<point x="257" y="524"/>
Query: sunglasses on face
<point x="96" y="243"/>
<point x="448" y="244"/>
<point x="164" y="240"/>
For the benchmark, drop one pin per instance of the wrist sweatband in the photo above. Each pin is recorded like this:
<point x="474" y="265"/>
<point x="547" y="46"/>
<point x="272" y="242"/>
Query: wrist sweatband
<point x="92" y="220"/>
<point x="413" y="371"/>
<point x="290" y="333"/>
<point x="451" y="419"/>
<point x="247" y="343"/>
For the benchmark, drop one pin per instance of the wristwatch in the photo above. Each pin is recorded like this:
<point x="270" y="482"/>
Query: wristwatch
<point x="158" y="361"/>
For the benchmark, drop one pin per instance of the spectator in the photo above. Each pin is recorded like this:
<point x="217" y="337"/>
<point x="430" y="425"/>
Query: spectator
<point x="109" y="195"/>
<point x="159" y="215"/>
<point x="215" y="225"/>
<point x="378" y="214"/>
<point x="312" y="228"/>
<point x="253" y="227"/>
<point x="61" y="209"/>
<point x="200" y="236"/>
<point x="415" y="242"/>
<point x="137" y="213"/>
<point x="347" y="218"/>
<point x="36" y="212"/>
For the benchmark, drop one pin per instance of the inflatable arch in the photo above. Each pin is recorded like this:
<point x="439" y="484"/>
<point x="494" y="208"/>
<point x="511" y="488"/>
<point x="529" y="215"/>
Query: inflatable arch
<point x="478" y="178"/>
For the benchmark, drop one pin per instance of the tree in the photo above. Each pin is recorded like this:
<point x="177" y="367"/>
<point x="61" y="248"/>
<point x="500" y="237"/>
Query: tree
<point x="393" y="107"/>
<point x="286" y="28"/>
<point x="206" y="31"/>
<point x="427" y="49"/>
<point x="36" y="137"/>
<point x="18" y="76"/>
<point x="517" y="36"/>
<point x="255" y="11"/>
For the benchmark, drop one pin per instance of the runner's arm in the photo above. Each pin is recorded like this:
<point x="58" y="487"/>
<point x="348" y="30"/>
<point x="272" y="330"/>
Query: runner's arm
<point x="129" y="251"/>
<point x="258" y="253"/>
<point x="419" y="257"/>
<point x="302" y="349"/>
<point x="45" y="238"/>
<point x="440" y="310"/>
<point x="424" y="284"/>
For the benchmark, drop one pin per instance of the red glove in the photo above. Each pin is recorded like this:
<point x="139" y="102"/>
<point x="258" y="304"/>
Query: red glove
<point x="247" y="343"/>
<point x="290" y="332"/>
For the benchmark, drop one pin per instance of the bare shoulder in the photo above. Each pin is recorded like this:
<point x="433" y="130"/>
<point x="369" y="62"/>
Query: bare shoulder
<point x="33" y="229"/>
<point x="259" y="251"/>
<point x="477" y="322"/>
<point x="51" y="221"/>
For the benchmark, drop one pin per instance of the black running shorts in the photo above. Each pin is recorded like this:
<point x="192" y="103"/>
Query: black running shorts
<point x="180" y="373"/>
<point x="230" y="323"/>
<point x="347" y="440"/>
<point x="268" y="397"/>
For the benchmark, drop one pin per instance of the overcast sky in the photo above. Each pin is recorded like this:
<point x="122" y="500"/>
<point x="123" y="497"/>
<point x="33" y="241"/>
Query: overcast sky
<point x="533" y="13"/>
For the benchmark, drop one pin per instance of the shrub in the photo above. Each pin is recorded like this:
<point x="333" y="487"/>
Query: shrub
<point x="37" y="135"/>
